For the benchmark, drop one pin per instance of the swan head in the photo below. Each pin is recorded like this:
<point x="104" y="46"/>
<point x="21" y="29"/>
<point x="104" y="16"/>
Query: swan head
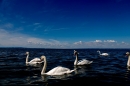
<point x="42" y="58"/>
<point x="75" y="52"/>
<point x="98" y="51"/>
<point x="27" y="53"/>
<point x="127" y="53"/>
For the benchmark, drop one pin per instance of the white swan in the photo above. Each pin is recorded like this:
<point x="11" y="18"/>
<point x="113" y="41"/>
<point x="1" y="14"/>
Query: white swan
<point x="59" y="70"/>
<point x="102" y="54"/>
<point x="81" y="62"/>
<point x="34" y="61"/>
<point x="128" y="62"/>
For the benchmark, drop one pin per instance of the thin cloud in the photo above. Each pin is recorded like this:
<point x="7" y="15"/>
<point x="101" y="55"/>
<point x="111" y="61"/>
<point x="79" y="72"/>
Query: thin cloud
<point x="101" y="44"/>
<point x="109" y="41"/>
<point x="7" y="26"/>
<point x="105" y="41"/>
<point x="98" y="41"/>
<point x="78" y="43"/>
<point x="36" y="23"/>
<point x="9" y="39"/>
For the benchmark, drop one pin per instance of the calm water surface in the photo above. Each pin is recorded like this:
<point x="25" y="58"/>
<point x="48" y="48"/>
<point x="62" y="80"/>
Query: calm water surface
<point x="110" y="70"/>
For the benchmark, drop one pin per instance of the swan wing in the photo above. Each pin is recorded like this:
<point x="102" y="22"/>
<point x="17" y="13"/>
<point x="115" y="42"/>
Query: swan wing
<point x="84" y="62"/>
<point x="35" y="60"/>
<point x="105" y="54"/>
<point x="59" y="71"/>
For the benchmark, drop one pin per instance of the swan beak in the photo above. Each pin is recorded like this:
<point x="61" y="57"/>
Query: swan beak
<point x="126" y="55"/>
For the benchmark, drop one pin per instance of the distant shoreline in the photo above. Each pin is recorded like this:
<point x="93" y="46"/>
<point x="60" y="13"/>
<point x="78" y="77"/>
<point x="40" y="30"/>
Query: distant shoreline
<point x="58" y="48"/>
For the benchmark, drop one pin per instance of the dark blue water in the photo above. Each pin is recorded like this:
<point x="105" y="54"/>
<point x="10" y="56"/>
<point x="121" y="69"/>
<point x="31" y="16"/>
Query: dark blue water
<point x="110" y="70"/>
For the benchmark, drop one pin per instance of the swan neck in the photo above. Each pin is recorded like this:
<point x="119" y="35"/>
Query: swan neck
<point x="44" y="66"/>
<point x="76" y="60"/>
<point x="99" y="52"/>
<point x="27" y="58"/>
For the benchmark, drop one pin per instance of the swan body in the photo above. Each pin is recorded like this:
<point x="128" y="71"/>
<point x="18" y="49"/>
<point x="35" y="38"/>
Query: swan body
<point x="81" y="62"/>
<point x="84" y="62"/>
<point x="34" y="61"/>
<point x="59" y="70"/>
<point x="128" y="62"/>
<point x="102" y="54"/>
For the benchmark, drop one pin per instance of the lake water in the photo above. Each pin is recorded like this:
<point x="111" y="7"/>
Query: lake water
<point x="110" y="70"/>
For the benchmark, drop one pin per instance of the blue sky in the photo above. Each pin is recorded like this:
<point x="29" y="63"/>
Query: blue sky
<point x="65" y="23"/>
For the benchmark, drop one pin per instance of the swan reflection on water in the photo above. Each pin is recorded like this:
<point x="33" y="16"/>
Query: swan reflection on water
<point x="128" y="68"/>
<point x="62" y="77"/>
<point x="127" y="74"/>
<point x="82" y="70"/>
<point x="48" y="79"/>
<point x="43" y="80"/>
